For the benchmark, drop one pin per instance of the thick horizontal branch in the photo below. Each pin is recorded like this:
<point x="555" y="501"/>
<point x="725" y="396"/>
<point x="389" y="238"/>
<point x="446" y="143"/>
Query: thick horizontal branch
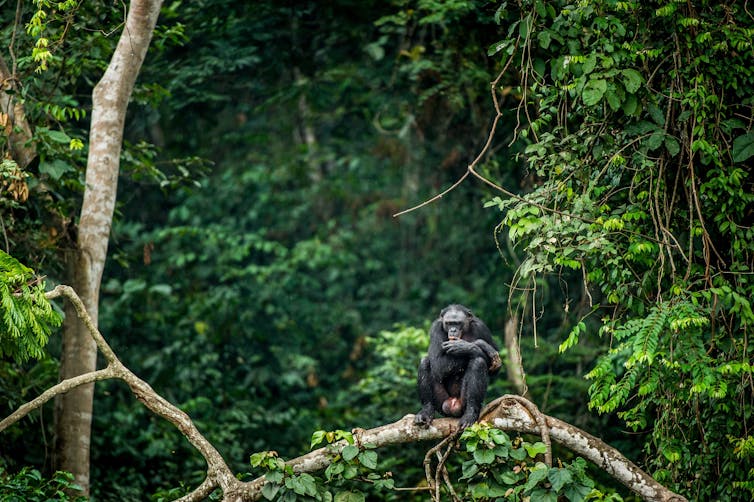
<point x="506" y="413"/>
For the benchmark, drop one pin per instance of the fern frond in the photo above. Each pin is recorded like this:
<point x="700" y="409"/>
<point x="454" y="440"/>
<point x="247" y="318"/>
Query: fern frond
<point x="26" y="316"/>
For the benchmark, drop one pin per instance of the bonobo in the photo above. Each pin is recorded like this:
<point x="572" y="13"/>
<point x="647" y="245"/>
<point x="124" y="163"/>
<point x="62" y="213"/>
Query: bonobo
<point x="453" y="376"/>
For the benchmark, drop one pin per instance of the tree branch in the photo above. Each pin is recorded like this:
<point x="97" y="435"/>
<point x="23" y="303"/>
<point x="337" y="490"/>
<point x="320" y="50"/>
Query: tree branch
<point x="506" y="413"/>
<point x="511" y="413"/>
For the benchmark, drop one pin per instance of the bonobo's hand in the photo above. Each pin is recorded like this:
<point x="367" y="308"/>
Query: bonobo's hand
<point x="425" y="416"/>
<point x="460" y="348"/>
<point x="469" y="417"/>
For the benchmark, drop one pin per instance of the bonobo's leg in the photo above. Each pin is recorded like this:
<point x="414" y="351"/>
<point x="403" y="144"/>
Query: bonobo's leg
<point x="473" y="389"/>
<point x="431" y="394"/>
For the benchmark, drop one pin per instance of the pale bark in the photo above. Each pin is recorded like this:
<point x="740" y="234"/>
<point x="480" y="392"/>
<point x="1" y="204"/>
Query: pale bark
<point x="110" y="100"/>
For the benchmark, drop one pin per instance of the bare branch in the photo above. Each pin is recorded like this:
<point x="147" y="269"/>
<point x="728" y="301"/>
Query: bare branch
<point x="218" y="472"/>
<point x="60" y="388"/>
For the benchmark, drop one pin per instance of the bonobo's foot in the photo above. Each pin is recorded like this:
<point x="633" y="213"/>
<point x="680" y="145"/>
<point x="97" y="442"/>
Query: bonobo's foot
<point x="468" y="418"/>
<point x="424" y="417"/>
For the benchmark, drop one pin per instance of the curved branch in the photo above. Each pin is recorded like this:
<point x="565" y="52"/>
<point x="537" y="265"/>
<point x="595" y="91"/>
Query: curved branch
<point x="218" y="472"/>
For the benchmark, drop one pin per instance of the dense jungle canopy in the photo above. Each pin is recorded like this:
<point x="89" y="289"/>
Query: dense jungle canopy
<point x="260" y="277"/>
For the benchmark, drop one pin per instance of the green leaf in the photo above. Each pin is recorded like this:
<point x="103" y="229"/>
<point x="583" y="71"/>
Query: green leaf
<point x="589" y="64"/>
<point x="632" y="80"/>
<point x="525" y="27"/>
<point x="577" y="493"/>
<point x="743" y="147"/>
<point x="484" y="456"/>
<point x="672" y="146"/>
<point x="593" y="91"/>
<point x="350" y="471"/>
<point x="317" y="437"/>
<point x="537" y="474"/>
<point x="350" y="452"/>
<point x="350" y="497"/>
<point x="538" y="448"/>
<point x="497" y="47"/>
<point x="655" y="140"/>
<point x="368" y="459"/>
<point x="656" y="114"/>
<point x="274" y="477"/>
<point x="559" y="478"/>
<point x="613" y="100"/>
<point x="56" y="168"/>
<point x="508" y="477"/>
<point x="631" y="105"/>
<point x="544" y="38"/>
<point x="518" y="454"/>
<point x="270" y="491"/>
<point x="469" y="469"/>
<point x="542" y="495"/>
<point x="58" y="136"/>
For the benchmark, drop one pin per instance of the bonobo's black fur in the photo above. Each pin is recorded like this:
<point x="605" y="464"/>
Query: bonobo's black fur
<point x="453" y="376"/>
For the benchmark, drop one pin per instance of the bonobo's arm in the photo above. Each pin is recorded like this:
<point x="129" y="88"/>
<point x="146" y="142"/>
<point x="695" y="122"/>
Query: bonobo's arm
<point x="477" y="348"/>
<point x="479" y="344"/>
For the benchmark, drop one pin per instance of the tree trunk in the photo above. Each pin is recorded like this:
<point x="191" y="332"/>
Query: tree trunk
<point x="85" y="266"/>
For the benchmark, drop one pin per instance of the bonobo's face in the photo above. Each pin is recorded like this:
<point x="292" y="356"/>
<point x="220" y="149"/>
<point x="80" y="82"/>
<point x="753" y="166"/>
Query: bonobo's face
<point x="454" y="322"/>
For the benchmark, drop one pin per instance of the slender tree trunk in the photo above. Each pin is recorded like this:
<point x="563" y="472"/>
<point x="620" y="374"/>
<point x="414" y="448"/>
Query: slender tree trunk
<point x="110" y="100"/>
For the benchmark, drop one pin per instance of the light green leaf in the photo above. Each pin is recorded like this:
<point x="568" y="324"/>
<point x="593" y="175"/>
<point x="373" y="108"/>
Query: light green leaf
<point x="350" y="497"/>
<point x="589" y="64"/>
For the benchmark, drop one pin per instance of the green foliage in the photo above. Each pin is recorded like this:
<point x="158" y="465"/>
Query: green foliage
<point x="496" y="467"/>
<point x="28" y="485"/>
<point x="351" y="462"/>
<point x="631" y="121"/>
<point x="26" y="316"/>
<point x="387" y="390"/>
